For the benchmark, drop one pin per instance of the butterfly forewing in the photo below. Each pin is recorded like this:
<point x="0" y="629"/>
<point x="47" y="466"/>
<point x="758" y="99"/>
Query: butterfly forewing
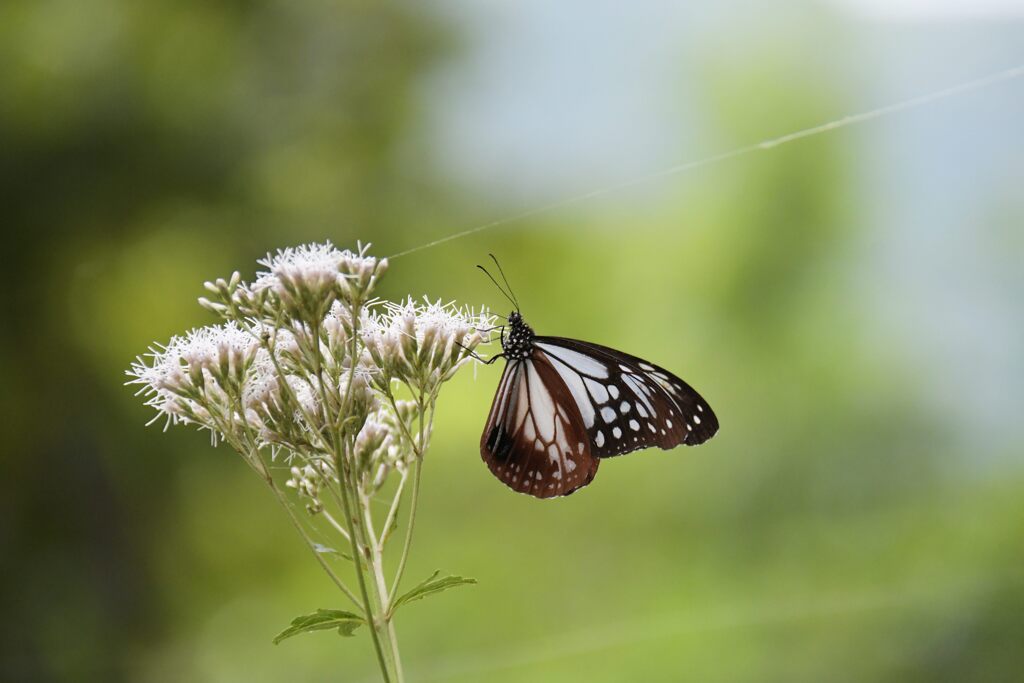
<point x="626" y="402"/>
<point x="536" y="441"/>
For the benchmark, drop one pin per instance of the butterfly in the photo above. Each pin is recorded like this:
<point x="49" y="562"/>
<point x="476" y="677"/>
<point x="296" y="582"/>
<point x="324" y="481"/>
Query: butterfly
<point x="563" y="405"/>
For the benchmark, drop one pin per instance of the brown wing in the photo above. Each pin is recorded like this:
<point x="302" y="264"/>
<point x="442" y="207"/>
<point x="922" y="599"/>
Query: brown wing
<point x="535" y="440"/>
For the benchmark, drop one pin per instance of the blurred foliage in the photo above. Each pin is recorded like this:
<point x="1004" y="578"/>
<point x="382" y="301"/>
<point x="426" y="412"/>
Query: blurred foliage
<point x="829" y="532"/>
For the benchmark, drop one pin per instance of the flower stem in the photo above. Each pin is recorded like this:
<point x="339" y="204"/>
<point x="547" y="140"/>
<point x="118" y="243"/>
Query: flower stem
<point x="389" y="521"/>
<point x="371" y="618"/>
<point x="417" y="469"/>
<point x="376" y="563"/>
<point x="396" y="655"/>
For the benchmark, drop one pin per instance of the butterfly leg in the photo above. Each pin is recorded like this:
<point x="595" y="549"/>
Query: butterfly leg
<point x="476" y="356"/>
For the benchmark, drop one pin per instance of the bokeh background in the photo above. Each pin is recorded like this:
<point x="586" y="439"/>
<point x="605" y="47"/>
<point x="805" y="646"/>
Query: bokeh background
<point x="850" y="304"/>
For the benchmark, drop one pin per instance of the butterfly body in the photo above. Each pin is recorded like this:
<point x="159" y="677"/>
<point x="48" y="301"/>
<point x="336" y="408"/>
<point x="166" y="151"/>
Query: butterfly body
<point x="519" y="341"/>
<point x="563" y="404"/>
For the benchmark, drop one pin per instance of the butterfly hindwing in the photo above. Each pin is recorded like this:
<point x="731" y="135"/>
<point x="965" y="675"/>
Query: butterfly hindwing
<point x="626" y="402"/>
<point x="536" y="441"/>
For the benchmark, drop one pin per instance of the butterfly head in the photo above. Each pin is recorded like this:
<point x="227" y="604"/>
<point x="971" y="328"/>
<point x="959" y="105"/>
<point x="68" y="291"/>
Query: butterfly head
<point x="518" y="343"/>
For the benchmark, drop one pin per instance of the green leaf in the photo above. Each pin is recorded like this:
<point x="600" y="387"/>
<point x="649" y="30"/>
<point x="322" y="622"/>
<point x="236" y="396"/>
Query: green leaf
<point x="430" y="586"/>
<point x="322" y="620"/>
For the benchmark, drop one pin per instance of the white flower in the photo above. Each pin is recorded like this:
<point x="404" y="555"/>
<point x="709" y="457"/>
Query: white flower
<point x="379" y="448"/>
<point x="310" y="265"/>
<point x="281" y="413"/>
<point x="307" y="279"/>
<point x="374" y="436"/>
<point x="206" y="364"/>
<point x="261" y="385"/>
<point x="423" y="344"/>
<point x="306" y="395"/>
<point x="306" y="481"/>
<point x="361" y="273"/>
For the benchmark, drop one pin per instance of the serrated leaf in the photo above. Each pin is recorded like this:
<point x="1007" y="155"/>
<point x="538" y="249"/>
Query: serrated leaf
<point x="322" y="620"/>
<point x="430" y="586"/>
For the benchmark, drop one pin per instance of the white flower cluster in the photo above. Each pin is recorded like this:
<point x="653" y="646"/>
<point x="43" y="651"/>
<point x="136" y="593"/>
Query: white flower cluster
<point x="423" y="344"/>
<point x="300" y="283"/>
<point x="305" y="363"/>
<point x="189" y="379"/>
<point x="309" y="278"/>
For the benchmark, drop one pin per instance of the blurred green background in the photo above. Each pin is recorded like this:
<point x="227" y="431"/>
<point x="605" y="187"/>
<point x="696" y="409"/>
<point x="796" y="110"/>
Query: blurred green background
<point x="849" y="305"/>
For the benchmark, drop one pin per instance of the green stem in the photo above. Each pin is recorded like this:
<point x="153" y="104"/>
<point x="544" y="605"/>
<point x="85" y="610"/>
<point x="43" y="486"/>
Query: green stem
<point x="343" y="484"/>
<point x="417" y="448"/>
<point x="377" y="569"/>
<point x="417" y="464"/>
<point x="417" y="469"/>
<point x="335" y="525"/>
<point x="395" y="654"/>
<point x="389" y="521"/>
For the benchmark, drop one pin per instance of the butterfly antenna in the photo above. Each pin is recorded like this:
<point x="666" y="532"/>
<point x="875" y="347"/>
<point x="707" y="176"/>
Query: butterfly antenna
<point x="506" y="294"/>
<point x="505" y="279"/>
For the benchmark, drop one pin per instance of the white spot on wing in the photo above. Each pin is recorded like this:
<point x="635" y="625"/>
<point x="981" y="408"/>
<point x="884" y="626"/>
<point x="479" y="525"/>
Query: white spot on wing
<point x="578" y="391"/>
<point x="608" y="414"/>
<point x="508" y="378"/>
<point x="578" y="361"/>
<point x="522" y="400"/>
<point x="541" y="405"/>
<point x="597" y="390"/>
<point x="634" y="425"/>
